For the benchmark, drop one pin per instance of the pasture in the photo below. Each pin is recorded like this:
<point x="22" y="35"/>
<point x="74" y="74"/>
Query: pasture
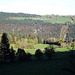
<point x="53" y="19"/>
<point x="41" y="47"/>
<point x="60" y="64"/>
<point x="56" y="50"/>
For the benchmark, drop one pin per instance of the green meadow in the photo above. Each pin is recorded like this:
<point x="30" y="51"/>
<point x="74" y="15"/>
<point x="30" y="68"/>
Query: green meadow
<point x="60" y="64"/>
<point x="60" y="19"/>
<point x="41" y="47"/>
<point x="32" y="51"/>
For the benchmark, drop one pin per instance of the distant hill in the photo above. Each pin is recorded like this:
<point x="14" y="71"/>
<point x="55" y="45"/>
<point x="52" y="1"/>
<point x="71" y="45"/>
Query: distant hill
<point x="46" y="25"/>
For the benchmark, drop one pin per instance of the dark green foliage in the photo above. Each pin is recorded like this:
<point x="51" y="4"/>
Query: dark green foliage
<point x="72" y="54"/>
<point x="28" y="56"/>
<point x="49" y="52"/>
<point x="5" y="51"/>
<point x="21" y="55"/>
<point x="1" y="54"/>
<point x="72" y="31"/>
<point x="12" y="55"/>
<point x="38" y="54"/>
<point x="18" y="15"/>
<point x="60" y="65"/>
<point x="71" y="59"/>
<point x="5" y="41"/>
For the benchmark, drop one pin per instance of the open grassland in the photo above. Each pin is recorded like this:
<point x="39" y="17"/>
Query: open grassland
<point x="42" y="46"/>
<point x="22" y="18"/>
<point x="53" y="19"/>
<point x="38" y="46"/>
<point x="58" y="20"/>
<point x="63" y="49"/>
<point x="56" y="50"/>
<point x="32" y="51"/>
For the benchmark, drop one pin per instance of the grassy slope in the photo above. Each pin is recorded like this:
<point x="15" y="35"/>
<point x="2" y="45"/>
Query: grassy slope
<point x="36" y="68"/>
<point x="52" y="20"/>
<point x="42" y="46"/>
<point x="58" y="65"/>
<point x="56" y="50"/>
<point x="32" y="51"/>
<point x="59" y="20"/>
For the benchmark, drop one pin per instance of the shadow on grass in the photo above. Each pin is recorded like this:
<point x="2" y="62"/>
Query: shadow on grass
<point x="62" y="63"/>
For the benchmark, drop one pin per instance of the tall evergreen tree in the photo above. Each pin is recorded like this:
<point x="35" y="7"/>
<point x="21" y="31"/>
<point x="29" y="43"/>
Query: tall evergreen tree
<point x="5" y="46"/>
<point x="5" y="41"/>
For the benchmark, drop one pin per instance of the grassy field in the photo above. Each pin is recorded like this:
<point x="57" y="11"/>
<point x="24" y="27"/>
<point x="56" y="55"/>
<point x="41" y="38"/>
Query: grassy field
<point x="22" y="18"/>
<point x="60" y="19"/>
<point x="42" y="46"/>
<point x="56" y="50"/>
<point x="60" y="64"/>
<point x="38" y="46"/>
<point x="62" y="49"/>
<point x="32" y="51"/>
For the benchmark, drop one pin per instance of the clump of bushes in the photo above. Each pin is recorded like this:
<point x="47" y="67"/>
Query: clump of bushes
<point x="28" y="56"/>
<point x="49" y="52"/>
<point x="38" y="54"/>
<point x="22" y="56"/>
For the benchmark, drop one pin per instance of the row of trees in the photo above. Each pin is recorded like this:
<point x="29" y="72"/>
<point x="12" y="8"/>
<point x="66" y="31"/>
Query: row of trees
<point x="18" y="15"/>
<point x="8" y="54"/>
<point x="13" y="38"/>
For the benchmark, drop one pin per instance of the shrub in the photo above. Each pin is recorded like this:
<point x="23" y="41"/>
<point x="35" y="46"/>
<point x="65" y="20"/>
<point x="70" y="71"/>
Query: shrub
<point x="21" y="55"/>
<point x="12" y="54"/>
<point x="28" y="56"/>
<point x="38" y="54"/>
<point x="49" y="52"/>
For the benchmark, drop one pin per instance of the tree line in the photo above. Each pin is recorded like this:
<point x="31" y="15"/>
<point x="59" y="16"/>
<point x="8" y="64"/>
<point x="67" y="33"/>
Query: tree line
<point x="8" y="54"/>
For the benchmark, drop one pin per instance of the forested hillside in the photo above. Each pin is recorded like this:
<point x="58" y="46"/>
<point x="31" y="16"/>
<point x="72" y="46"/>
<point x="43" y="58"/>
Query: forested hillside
<point x="32" y="24"/>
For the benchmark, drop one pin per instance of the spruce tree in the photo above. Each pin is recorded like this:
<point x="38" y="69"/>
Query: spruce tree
<point x="5" y="46"/>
